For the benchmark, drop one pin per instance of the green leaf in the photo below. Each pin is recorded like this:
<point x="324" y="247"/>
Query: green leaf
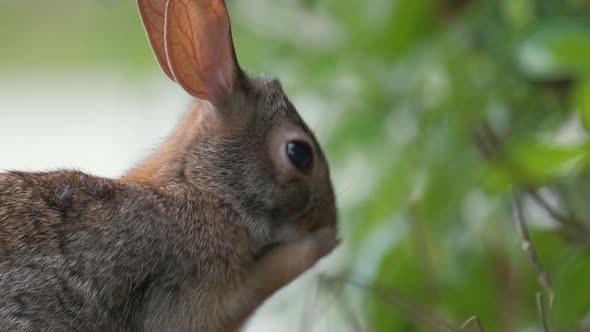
<point x="572" y="294"/>
<point x="543" y="162"/>
<point x="557" y="51"/>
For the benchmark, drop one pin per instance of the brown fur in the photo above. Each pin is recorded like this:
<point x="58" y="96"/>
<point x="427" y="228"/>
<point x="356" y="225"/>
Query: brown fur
<point x="158" y="167"/>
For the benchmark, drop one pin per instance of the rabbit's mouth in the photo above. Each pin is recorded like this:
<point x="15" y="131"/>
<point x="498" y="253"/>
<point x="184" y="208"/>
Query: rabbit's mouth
<point x="263" y="251"/>
<point x="285" y="231"/>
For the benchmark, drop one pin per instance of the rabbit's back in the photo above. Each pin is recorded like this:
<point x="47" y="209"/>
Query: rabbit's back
<point x="43" y="284"/>
<point x="84" y="253"/>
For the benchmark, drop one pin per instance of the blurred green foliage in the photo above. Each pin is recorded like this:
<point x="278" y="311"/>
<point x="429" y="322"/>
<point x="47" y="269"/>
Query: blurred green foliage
<point x="440" y="110"/>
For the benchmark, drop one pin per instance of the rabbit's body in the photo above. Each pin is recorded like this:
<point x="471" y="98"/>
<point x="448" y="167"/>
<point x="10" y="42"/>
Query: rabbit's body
<point x="87" y="253"/>
<point x="234" y="205"/>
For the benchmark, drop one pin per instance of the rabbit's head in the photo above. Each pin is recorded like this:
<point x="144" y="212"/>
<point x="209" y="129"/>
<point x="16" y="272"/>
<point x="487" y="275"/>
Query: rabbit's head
<point x="244" y="141"/>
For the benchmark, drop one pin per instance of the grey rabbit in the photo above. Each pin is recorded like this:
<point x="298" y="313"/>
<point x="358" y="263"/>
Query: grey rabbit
<point x="235" y="204"/>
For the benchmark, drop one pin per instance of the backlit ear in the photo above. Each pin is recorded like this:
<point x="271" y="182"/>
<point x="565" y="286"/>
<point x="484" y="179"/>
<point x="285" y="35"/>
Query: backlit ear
<point x="199" y="48"/>
<point x="153" y="16"/>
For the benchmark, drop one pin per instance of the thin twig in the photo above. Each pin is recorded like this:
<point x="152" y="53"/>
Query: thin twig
<point x="411" y="309"/>
<point x="476" y="321"/>
<point x="491" y="146"/>
<point x="541" y="312"/>
<point x="572" y="227"/>
<point x="528" y="247"/>
<point x="551" y="211"/>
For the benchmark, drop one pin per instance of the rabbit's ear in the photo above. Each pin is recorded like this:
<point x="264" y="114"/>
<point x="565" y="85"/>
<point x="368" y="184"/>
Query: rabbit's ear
<point x="199" y="48"/>
<point x="153" y="15"/>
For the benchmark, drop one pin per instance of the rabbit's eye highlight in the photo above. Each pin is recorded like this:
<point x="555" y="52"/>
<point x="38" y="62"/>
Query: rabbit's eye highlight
<point x="300" y="154"/>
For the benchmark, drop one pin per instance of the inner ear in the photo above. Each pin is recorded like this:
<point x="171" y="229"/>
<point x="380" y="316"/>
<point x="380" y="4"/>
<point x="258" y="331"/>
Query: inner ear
<point x="153" y="15"/>
<point x="200" y="50"/>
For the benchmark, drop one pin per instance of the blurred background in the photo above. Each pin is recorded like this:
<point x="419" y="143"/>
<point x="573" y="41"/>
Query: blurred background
<point x="456" y="130"/>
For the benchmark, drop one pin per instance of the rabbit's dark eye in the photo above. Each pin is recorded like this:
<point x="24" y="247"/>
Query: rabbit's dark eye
<point x="300" y="154"/>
